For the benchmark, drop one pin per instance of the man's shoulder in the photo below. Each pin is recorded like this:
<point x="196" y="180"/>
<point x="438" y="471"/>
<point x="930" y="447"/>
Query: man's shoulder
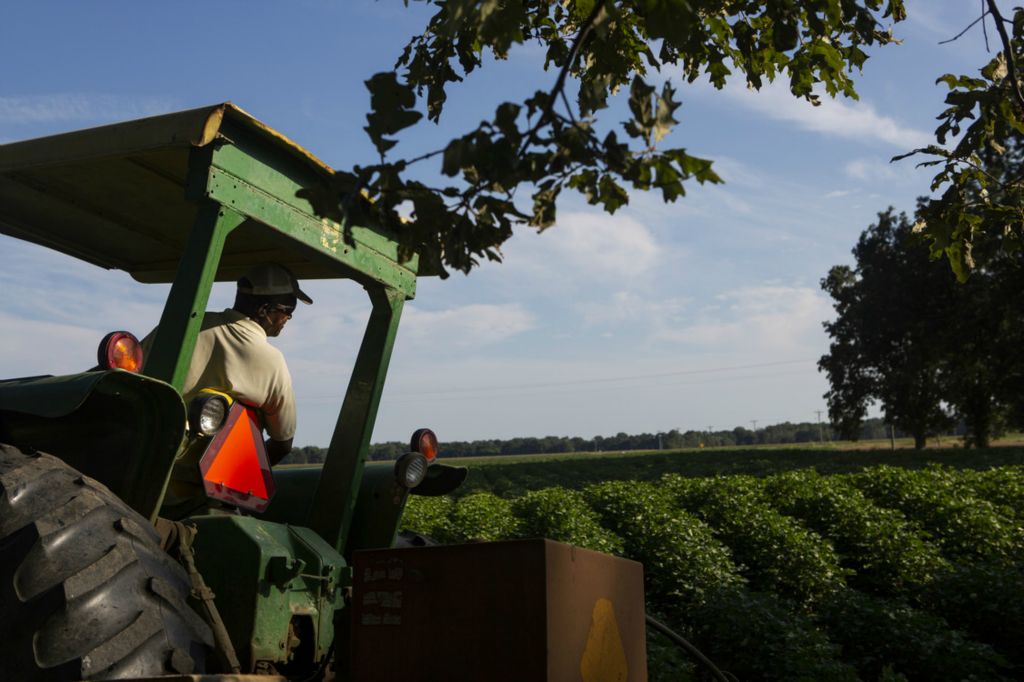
<point x="234" y="325"/>
<point x="236" y="330"/>
<point x="214" y="318"/>
<point x="268" y="361"/>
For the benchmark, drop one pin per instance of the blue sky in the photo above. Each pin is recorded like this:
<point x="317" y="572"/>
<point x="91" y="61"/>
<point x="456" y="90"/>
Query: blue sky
<point x="705" y="312"/>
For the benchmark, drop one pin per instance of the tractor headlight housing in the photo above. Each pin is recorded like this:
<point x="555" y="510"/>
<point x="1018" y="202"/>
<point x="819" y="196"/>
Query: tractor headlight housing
<point x="411" y="469"/>
<point x="120" y="350"/>
<point x="206" y="413"/>
<point x="424" y="442"/>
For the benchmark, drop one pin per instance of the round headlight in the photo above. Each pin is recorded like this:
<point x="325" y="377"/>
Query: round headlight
<point x="206" y="414"/>
<point x="411" y="469"/>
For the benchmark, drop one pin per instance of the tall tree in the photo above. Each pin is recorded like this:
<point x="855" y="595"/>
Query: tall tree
<point x="886" y="346"/>
<point x="928" y="349"/>
<point x="983" y="371"/>
<point x="555" y="139"/>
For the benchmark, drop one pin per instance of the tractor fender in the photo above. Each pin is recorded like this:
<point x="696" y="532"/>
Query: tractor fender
<point x="120" y="428"/>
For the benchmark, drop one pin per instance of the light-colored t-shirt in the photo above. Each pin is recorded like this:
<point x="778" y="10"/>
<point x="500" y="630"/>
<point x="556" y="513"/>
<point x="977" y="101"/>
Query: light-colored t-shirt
<point x="232" y="355"/>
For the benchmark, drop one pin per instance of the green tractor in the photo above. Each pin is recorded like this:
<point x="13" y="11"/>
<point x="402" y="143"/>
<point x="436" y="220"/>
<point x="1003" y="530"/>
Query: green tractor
<point x="141" y="537"/>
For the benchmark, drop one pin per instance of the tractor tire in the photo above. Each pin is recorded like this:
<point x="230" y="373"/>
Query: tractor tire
<point x="86" y="592"/>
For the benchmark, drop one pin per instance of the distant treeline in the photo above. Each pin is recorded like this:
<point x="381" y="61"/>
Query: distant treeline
<point x="775" y="434"/>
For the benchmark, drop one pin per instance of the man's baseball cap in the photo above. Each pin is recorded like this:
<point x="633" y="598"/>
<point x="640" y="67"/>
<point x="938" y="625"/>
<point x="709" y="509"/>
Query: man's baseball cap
<point x="272" y="279"/>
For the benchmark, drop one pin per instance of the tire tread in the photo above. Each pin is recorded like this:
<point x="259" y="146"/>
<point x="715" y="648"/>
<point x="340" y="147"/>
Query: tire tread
<point x="87" y="593"/>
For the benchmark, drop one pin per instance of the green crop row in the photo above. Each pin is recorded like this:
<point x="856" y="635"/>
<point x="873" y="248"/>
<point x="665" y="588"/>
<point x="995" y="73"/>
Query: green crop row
<point x="1003" y="487"/>
<point x="511" y="476"/>
<point x="885" y="574"/>
<point x="966" y="526"/>
<point x="885" y="553"/>
<point x="777" y="554"/>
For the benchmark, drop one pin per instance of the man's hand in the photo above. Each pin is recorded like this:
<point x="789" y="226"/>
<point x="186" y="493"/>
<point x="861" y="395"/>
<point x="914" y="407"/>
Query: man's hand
<point x="278" y="449"/>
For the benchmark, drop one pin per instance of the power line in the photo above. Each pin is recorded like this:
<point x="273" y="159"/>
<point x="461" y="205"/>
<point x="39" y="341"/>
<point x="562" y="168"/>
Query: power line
<point x="581" y="382"/>
<point x="554" y="389"/>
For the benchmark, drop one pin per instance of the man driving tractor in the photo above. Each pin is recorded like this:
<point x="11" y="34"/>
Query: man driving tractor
<point x="232" y="353"/>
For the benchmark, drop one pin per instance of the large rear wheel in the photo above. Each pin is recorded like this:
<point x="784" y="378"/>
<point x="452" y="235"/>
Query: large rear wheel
<point x="86" y="592"/>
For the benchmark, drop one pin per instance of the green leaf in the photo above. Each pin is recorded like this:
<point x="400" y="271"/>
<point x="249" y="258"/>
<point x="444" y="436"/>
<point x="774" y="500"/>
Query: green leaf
<point x="668" y="179"/>
<point x="643" y="120"/>
<point x="544" y="208"/>
<point x="452" y="159"/>
<point x="391" y="104"/>
<point x="664" y="119"/>
<point x="611" y="194"/>
<point x="505" y="118"/>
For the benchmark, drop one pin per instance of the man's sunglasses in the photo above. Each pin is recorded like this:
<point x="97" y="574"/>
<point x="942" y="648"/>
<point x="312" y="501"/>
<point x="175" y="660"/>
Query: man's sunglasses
<point x="288" y="310"/>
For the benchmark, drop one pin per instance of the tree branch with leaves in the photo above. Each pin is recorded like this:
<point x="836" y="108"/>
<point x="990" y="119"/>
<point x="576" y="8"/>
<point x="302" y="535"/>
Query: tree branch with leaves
<point x="558" y="139"/>
<point x="978" y="212"/>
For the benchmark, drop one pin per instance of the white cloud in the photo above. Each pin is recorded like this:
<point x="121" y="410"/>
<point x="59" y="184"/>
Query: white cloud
<point x="592" y="244"/>
<point x="33" y="347"/>
<point x="772" y="319"/>
<point x="840" y="118"/>
<point x="85" y="107"/>
<point x="872" y="169"/>
<point x="735" y="172"/>
<point x="944" y="20"/>
<point x="629" y="307"/>
<point x="838" y="193"/>
<point x="466" y="326"/>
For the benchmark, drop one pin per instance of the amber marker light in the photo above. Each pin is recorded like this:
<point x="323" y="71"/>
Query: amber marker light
<point x="424" y="442"/>
<point x="120" y="350"/>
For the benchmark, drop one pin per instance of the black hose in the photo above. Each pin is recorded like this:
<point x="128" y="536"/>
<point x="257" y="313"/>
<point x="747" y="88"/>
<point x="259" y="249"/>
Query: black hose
<point x="688" y="648"/>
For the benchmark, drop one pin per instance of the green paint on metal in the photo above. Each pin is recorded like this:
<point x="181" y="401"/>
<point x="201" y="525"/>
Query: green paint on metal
<point x="293" y="494"/>
<point x="378" y="509"/>
<point x="268" y="576"/>
<point x="320" y="235"/>
<point x="175" y="340"/>
<point x="338" y="489"/>
<point x="266" y="168"/>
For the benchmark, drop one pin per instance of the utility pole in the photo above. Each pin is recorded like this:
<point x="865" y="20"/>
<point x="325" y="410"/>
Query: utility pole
<point x="754" y="422"/>
<point x="821" y="431"/>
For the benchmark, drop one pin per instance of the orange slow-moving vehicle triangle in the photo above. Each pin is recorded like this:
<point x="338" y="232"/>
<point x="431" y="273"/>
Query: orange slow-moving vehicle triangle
<point x="235" y="467"/>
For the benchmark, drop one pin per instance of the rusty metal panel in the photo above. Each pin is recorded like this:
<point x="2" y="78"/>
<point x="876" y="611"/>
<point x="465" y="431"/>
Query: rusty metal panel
<point x="520" y="610"/>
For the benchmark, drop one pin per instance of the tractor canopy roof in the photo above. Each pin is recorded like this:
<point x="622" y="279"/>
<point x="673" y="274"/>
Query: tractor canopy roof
<point x="126" y="196"/>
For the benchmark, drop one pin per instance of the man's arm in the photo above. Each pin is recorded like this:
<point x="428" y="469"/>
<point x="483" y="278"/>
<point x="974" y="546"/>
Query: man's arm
<point x="277" y="449"/>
